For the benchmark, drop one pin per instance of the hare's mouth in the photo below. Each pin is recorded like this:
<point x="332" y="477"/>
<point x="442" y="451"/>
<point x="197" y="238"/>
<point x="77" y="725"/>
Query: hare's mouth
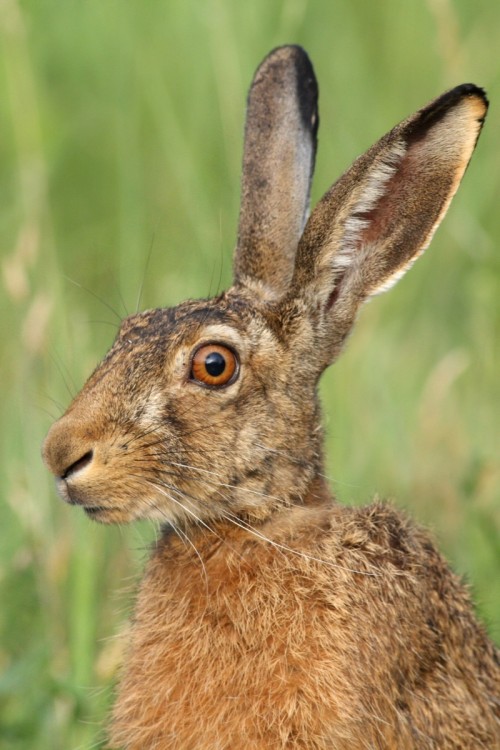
<point x="95" y="509"/>
<point x="105" y="515"/>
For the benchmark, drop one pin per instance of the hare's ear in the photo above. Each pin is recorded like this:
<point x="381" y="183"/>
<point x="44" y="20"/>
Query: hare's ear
<point x="381" y="214"/>
<point x="278" y="162"/>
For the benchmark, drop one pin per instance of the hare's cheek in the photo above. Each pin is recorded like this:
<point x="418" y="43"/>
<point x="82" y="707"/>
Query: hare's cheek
<point x="150" y="412"/>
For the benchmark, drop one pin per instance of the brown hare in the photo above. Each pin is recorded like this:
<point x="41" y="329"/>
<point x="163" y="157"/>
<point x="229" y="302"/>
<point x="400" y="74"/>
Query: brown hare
<point x="270" y="616"/>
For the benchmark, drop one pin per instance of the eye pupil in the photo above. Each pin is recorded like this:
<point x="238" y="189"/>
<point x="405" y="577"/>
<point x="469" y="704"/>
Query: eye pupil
<point x="215" y="364"/>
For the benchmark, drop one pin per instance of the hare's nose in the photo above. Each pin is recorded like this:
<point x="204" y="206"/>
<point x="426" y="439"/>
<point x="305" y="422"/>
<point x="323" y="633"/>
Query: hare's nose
<point x="64" y="451"/>
<point x="80" y="463"/>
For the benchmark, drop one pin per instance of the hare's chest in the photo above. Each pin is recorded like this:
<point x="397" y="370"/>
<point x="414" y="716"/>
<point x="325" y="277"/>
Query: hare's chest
<point x="218" y="654"/>
<point x="206" y="618"/>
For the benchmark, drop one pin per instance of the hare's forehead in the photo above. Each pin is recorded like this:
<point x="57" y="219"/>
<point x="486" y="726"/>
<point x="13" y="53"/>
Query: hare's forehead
<point x="193" y="322"/>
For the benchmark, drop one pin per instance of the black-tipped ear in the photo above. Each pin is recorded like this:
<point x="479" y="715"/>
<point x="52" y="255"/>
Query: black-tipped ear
<point x="382" y="213"/>
<point x="278" y="162"/>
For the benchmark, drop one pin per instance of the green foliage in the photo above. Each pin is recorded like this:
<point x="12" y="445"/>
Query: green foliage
<point x="121" y="128"/>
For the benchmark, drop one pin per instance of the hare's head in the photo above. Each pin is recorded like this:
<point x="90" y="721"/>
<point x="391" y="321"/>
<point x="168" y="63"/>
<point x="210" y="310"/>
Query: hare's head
<point x="209" y="409"/>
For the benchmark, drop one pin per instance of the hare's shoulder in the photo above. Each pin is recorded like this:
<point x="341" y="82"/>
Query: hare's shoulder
<point x="366" y="579"/>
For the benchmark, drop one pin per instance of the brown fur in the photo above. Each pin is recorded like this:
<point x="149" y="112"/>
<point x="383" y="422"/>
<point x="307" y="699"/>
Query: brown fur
<point x="269" y="616"/>
<point x="272" y="649"/>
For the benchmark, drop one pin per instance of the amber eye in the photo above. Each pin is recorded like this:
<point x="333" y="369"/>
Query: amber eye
<point x="214" y="365"/>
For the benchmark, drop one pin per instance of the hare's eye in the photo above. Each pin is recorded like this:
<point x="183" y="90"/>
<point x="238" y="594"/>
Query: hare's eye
<point x="214" y="365"/>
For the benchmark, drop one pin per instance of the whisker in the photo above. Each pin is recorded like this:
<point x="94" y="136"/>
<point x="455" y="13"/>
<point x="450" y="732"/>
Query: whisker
<point x="122" y="301"/>
<point x="163" y="490"/>
<point x="65" y="374"/>
<point x="182" y="534"/>
<point x="223" y="484"/>
<point x="245" y="526"/>
<point x="185" y="537"/>
<point x="96" y="296"/>
<point x="144" y="273"/>
<point x="242" y="524"/>
<point x="189" y="498"/>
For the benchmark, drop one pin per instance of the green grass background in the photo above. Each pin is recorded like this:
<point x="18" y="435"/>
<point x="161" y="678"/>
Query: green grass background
<point x="120" y="147"/>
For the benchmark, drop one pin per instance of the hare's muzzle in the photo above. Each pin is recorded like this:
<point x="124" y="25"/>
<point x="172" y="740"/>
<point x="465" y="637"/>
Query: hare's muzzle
<point x="69" y="456"/>
<point x="64" y="452"/>
<point x="85" y="462"/>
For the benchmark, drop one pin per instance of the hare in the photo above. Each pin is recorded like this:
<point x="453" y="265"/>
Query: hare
<point x="269" y="615"/>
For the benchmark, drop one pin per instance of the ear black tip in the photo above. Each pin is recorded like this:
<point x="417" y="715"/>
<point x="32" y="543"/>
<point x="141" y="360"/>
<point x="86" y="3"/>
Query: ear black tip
<point x="471" y="91"/>
<point x="290" y="56"/>
<point x="463" y="91"/>
<point x="287" y="52"/>
<point x="467" y="94"/>
<point x="307" y="91"/>
<point x="294" y="57"/>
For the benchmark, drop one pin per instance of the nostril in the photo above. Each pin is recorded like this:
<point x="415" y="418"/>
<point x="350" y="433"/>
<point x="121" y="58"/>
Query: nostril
<point x="81" y="463"/>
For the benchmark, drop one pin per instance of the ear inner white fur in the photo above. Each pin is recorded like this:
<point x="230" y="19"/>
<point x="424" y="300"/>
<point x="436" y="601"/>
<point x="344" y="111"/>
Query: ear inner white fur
<point x="358" y="221"/>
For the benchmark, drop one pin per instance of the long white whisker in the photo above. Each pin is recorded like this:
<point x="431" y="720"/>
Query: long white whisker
<point x="182" y="534"/>
<point x="242" y="524"/>
<point x="223" y="484"/>
<point x="163" y="490"/>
